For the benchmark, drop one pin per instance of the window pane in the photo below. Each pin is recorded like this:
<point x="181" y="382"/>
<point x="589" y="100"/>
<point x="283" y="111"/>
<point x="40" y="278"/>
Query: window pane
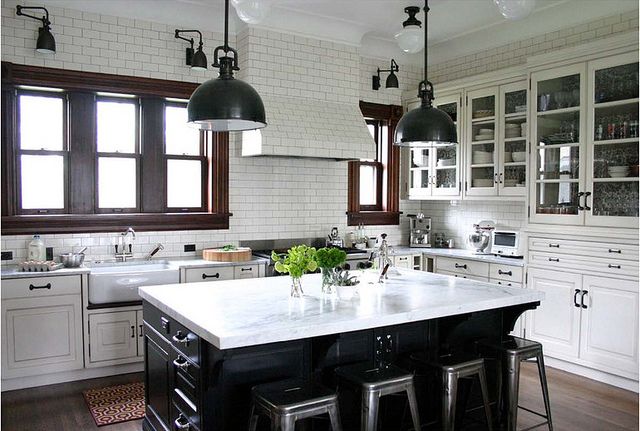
<point x="184" y="183"/>
<point x="42" y="181"/>
<point x="116" y="127"/>
<point x="41" y="123"/>
<point x="116" y="182"/>
<point x="180" y="138"/>
<point x="367" y="185"/>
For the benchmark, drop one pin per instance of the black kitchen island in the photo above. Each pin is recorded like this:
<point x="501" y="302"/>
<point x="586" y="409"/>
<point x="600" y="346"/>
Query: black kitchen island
<point x="207" y="344"/>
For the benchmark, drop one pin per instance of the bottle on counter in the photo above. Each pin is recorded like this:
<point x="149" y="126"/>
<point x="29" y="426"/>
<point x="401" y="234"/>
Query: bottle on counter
<point x="36" y="249"/>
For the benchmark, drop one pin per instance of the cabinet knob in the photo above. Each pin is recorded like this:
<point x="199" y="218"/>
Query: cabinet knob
<point x="246" y="269"/>
<point x="584" y="293"/>
<point x="554" y="245"/>
<point x="615" y="250"/>
<point x="575" y="298"/>
<point x="554" y="259"/>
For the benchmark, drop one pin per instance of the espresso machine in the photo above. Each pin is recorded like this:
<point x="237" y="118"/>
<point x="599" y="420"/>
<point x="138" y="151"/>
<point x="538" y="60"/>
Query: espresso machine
<point x="420" y="230"/>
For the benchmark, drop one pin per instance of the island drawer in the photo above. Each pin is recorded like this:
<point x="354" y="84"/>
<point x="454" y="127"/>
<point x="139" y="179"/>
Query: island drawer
<point x="246" y="271"/>
<point x="183" y="340"/>
<point x="185" y="413"/>
<point x="468" y="277"/>
<point x="506" y="283"/>
<point x="462" y="266"/>
<point x="216" y="273"/>
<point x="41" y="286"/>
<point x="584" y="264"/>
<point x="602" y="249"/>
<point x="186" y="376"/>
<point x="505" y="272"/>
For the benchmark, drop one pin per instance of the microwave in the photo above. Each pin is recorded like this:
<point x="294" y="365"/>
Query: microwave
<point x="507" y="243"/>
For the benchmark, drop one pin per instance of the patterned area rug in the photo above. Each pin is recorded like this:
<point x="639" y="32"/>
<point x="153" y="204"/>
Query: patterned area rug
<point x="115" y="404"/>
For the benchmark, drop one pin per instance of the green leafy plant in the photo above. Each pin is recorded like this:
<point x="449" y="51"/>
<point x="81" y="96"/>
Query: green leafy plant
<point x="343" y="278"/>
<point x="229" y="247"/>
<point x="298" y="260"/>
<point x="330" y="257"/>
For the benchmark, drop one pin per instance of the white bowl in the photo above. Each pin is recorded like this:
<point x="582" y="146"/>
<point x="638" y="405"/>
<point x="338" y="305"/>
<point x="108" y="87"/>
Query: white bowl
<point x="485" y="131"/>
<point x="446" y="162"/>
<point x="618" y="168"/>
<point x="421" y="161"/>
<point x="519" y="156"/>
<point x="482" y="182"/>
<point x="512" y="126"/>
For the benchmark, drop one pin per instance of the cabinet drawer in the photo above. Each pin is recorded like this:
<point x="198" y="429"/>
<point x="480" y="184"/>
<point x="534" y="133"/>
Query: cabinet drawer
<point x="468" y="277"/>
<point x="605" y="250"/>
<point x="215" y="273"/>
<point x="245" y="271"/>
<point x="185" y="412"/>
<point x="185" y="342"/>
<point x="585" y="264"/>
<point x="505" y="283"/>
<point x="186" y="376"/>
<point x="463" y="266"/>
<point x="505" y="272"/>
<point x="41" y="286"/>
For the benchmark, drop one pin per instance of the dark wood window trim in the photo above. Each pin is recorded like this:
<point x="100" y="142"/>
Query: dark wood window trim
<point x="82" y="217"/>
<point x="389" y="212"/>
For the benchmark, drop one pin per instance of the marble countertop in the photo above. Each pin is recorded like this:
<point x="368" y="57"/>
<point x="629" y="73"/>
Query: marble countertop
<point x="239" y="313"/>
<point x="471" y="255"/>
<point x="11" y="271"/>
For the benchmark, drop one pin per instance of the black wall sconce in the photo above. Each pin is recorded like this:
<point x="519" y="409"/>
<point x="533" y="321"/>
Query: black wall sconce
<point x="196" y="59"/>
<point x="392" y="79"/>
<point x="46" y="44"/>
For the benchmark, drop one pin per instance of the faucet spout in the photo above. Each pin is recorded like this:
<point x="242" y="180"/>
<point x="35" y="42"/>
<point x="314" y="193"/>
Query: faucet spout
<point x="154" y="251"/>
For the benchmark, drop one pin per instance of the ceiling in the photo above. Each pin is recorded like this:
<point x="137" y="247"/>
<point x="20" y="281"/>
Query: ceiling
<point x="456" y="27"/>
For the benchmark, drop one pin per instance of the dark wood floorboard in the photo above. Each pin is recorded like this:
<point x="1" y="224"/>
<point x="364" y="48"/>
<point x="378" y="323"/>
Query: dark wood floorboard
<point x="577" y="403"/>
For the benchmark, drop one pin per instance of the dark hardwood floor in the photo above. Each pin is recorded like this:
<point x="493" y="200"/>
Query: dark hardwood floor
<point x="578" y="404"/>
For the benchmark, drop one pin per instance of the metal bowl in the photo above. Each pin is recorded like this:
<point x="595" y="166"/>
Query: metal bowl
<point x="72" y="260"/>
<point x="479" y="241"/>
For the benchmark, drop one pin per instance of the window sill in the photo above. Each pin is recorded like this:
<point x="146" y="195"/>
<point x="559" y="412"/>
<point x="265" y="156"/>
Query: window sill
<point x="87" y="223"/>
<point x="370" y="218"/>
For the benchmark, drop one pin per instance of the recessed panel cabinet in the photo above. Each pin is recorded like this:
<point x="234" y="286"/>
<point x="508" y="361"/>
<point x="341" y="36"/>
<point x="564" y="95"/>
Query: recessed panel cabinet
<point x="113" y="336"/>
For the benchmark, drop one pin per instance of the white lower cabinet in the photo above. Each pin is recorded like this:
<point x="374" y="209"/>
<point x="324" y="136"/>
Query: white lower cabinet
<point x="113" y="336"/>
<point x="140" y="333"/>
<point x="403" y="262"/>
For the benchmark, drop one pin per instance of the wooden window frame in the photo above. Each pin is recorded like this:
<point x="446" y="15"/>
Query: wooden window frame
<point x="387" y="212"/>
<point x="81" y="216"/>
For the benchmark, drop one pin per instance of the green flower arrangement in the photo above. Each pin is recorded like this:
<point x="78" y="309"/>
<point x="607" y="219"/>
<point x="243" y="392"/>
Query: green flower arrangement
<point x="299" y="260"/>
<point x="329" y="260"/>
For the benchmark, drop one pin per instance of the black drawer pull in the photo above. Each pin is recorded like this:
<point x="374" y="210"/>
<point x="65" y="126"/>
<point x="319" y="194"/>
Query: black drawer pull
<point x="141" y="333"/>
<point x="181" y="363"/>
<point x="501" y="272"/>
<point x="246" y="269"/>
<point x="614" y="250"/>
<point x="554" y="245"/>
<point x="554" y="259"/>
<point x="205" y="276"/>
<point x="133" y="331"/>
<point x="575" y="298"/>
<point x="181" y="338"/>
<point x="463" y="266"/>
<point x="614" y="266"/>
<point x="584" y="293"/>
<point x="46" y="286"/>
<point x="182" y="423"/>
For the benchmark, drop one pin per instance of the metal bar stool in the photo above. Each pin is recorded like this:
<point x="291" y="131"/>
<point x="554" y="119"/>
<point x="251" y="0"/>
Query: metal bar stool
<point x="452" y="369"/>
<point x="511" y="352"/>
<point x="376" y="382"/>
<point x="287" y="401"/>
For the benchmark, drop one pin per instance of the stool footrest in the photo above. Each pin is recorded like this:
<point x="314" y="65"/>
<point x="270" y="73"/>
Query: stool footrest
<point x="533" y="412"/>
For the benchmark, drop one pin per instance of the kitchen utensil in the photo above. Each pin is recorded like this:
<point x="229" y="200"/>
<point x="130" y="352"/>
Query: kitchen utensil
<point x="481" y="238"/>
<point x="519" y="156"/>
<point x="73" y="260"/>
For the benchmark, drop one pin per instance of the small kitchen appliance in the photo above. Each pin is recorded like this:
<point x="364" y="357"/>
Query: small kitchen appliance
<point x="481" y="238"/>
<point x="420" y="230"/>
<point x="507" y="243"/>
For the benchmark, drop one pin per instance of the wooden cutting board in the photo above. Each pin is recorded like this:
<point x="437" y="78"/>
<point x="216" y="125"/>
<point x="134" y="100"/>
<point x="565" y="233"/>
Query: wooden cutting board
<point x="240" y="254"/>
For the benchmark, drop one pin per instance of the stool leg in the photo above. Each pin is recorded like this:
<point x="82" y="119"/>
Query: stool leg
<point x="334" y="417"/>
<point x="513" y="384"/>
<point x="287" y="423"/>
<point x="253" y="418"/>
<point x="545" y="390"/>
<point x="370" y="400"/>
<point x="485" y="396"/>
<point x="449" y="395"/>
<point x="413" y="405"/>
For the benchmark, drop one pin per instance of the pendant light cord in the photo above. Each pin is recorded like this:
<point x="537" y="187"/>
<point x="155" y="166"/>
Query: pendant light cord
<point x="226" y="26"/>
<point x="426" y="28"/>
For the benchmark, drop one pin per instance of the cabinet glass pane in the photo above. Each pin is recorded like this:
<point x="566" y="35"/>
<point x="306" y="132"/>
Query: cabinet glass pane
<point x="42" y="182"/>
<point x="116" y="182"/>
<point x="41" y="120"/>
<point x="451" y="109"/>
<point x="446" y="167"/>
<point x="615" y="199"/>
<point x="116" y="127"/>
<point x="560" y="128"/>
<point x="558" y="163"/>
<point x="180" y="138"/>
<point x="482" y="107"/>
<point x="482" y="177"/>
<point x="616" y="122"/>
<point x="515" y="176"/>
<point x="557" y="198"/>
<point x="559" y="93"/>
<point x="420" y="158"/>
<point x="515" y="102"/>
<point x="618" y="160"/>
<point x="616" y="83"/>
<point x="482" y="154"/>
<point x="419" y="179"/>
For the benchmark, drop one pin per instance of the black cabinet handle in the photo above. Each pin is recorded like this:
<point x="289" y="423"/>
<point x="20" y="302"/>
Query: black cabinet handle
<point x="554" y="259"/>
<point x="205" y="276"/>
<point x="495" y="178"/>
<point x="584" y="293"/>
<point x="554" y="245"/>
<point x="133" y="331"/>
<point x="586" y="204"/>
<point x="580" y="207"/>
<point x="614" y="266"/>
<point x="500" y="178"/>
<point x="140" y="335"/>
<point x="181" y="338"/>
<point x="575" y="298"/>
<point x="615" y="250"/>
<point x="463" y="266"/>
<point x="501" y="272"/>
<point x="46" y="286"/>
<point x="181" y="363"/>
<point x="246" y="269"/>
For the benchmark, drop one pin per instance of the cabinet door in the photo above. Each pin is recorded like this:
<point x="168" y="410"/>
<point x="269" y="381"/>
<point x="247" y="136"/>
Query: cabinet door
<point x="447" y="160"/>
<point x="41" y="335"/>
<point x="512" y="140"/>
<point x="245" y="271"/>
<point x="214" y="273"/>
<point x="158" y="379"/>
<point x="481" y="133"/>
<point x="112" y="336"/>
<point x="421" y="173"/>
<point x="403" y="262"/>
<point x="610" y="324"/>
<point x="556" y="322"/>
<point x="557" y="158"/>
<point x="612" y="167"/>
<point x="140" y="332"/>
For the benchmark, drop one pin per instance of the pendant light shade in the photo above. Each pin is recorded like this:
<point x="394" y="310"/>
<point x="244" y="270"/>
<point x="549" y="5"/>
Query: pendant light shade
<point x="425" y="126"/>
<point x="225" y="103"/>
<point x="199" y="60"/>
<point x="515" y="9"/>
<point x="410" y="38"/>
<point x="392" y="81"/>
<point x="46" y="44"/>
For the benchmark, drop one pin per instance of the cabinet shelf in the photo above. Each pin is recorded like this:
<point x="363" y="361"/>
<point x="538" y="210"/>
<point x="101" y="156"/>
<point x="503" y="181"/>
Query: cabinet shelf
<point x="445" y="167"/>
<point x="515" y="163"/>
<point x="488" y="141"/>
<point x="483" y="165"/>
<point x="483" y="120"/>
<point x="516" y="139"/>
<point x="617" y="103"/>
<point x="516" y="116"/>
<point x="420" y="168"/>
<point x="559" y="111"/>
<point x="568" y="144"/>
<point x="616" y="180"/>
<point x="571" y="180"/>
<point x="616" y="141"/>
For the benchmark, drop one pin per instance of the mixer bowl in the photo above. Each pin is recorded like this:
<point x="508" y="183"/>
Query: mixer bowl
<point x="479" y="241"/>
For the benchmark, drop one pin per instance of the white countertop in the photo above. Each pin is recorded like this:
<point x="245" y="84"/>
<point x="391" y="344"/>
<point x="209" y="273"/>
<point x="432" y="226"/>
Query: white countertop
<point x="239" y="313"/>
<point x="471" y="255"/>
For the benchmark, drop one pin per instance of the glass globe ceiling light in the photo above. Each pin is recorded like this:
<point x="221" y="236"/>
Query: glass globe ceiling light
<point x="425" y="126"/>
<point x="410" y="37"/>
<point x="515" y="9"/>
<point x="252" y="11"/>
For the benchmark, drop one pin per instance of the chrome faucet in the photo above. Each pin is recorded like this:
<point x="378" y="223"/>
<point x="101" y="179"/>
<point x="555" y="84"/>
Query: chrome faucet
<point x="154" y="251"/>
<point x="123" y="248"/>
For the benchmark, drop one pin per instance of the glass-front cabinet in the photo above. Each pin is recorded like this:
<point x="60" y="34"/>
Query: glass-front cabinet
<point x="584" y="148"/>
<point x="481" y="160"/>
<point x="512" y="140"/>
<point x="434" y="173"/>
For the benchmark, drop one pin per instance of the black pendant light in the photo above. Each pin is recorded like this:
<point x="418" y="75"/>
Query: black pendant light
<point x="392" y="79"/>
<point x="196" y="59"/>
<point x="46" y="43"/>
<point x="225" y="103"/>
<point x="425" y="126"/>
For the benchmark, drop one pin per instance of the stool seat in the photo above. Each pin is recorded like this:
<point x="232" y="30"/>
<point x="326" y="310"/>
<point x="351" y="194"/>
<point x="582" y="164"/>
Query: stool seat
<point x="512" y="345"/>
<point x="448" y="362"/>
<point x="372" y="378"/>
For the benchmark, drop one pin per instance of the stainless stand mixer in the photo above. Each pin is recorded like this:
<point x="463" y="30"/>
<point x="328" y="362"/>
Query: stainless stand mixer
<point x="481" y="238"/>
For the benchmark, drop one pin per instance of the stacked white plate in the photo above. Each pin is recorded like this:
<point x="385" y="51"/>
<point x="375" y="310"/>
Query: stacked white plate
<point x="618" y="171"/>
<point x="519" y="156"/>
<point x="512" y="130"/>
<point x="420" y="160"/>
<point x="510" y="182"/>
<point x="482" y="182"/>
<point x="482" y="157"/>
<point x="446" y="162"/>
<point x="485" y="135"/>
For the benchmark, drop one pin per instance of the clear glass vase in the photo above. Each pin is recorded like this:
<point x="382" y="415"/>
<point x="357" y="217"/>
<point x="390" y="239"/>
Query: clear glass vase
<point x="296" y="288"/>
<point x="328" y="286"/>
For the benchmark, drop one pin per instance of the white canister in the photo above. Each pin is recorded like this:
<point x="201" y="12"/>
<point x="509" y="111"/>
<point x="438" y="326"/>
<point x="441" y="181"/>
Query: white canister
<point x="36" y="249"/>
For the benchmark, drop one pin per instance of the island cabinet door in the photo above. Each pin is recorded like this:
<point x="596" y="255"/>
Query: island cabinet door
<point x="556" y="322"/>
<point x="610" y="324"/>
<point x="158" y="372"/>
